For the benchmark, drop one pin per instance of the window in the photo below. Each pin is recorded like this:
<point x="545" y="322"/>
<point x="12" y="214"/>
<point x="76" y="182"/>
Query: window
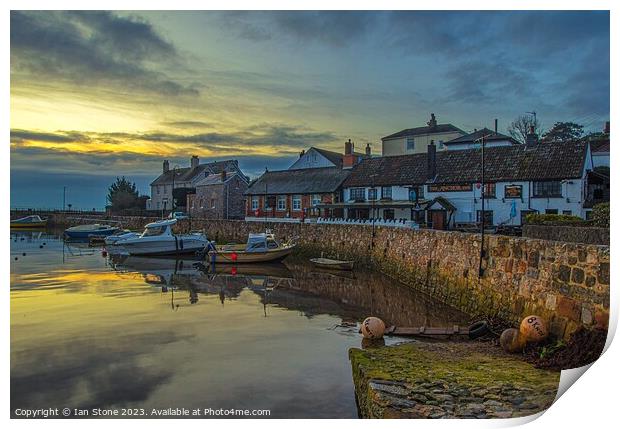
<point x="388" y="214"/>
<point x="488" y="217"/>
<point x="254" y="203"/>
<point x="297" y="202"/>
<point x="567" y="212"/>
<point x="410" y="143"/>
<point x="386" y="192"/>
<point x="489" y="190"/>
<point x="372" y="194"/>
<point x="358" y="194"/>
<point x="552" y="188"/>
<point x="416" y="193"/>
<point x="316" y="200"/>
<point x="551" y="211"/>
<point x="440" y="144"/>
<point x="281" y="203"/>
<point x="158" y="204"/>
<point x="157" y="187"/>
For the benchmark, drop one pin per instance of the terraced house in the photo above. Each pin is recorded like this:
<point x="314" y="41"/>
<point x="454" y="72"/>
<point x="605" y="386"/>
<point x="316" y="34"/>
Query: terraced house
<point x="306" y="190"/>
<point x="442" y="189"/>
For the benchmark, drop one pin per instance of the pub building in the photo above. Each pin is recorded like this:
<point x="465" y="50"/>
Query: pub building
<point x="443" y="189"/>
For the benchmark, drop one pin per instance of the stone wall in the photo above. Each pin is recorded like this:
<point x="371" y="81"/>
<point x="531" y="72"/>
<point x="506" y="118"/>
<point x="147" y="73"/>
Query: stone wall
<point x="572" y="234"/>
<point x="567" y="283"/>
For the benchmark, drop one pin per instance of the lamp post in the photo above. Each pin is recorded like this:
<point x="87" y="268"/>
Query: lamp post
<point x="174" y="173"/>
<point x="480" y="269"/>
<point x="372" y="205"/>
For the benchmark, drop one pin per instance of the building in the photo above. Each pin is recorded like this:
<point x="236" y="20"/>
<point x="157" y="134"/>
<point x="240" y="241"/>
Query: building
<point x="184" y="178"/>
<point x="313" y="180"/>
<point x="219" y="196"/>
<point x="473" y="140"/>
<point x="415" y="140"/>
<point x="442" y="189"/>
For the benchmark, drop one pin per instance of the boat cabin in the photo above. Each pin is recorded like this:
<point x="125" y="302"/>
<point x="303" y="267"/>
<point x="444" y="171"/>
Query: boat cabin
<point x="261" y="242"/>
<point x="163" y="227"/>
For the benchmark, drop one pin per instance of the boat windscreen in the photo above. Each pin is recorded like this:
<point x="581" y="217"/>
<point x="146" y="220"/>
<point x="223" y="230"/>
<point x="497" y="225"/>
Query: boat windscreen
<point x="152" y="231"/>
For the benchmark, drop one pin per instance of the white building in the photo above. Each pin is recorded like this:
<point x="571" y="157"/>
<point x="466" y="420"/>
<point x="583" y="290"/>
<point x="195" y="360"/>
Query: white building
<point x="442" y="188"/>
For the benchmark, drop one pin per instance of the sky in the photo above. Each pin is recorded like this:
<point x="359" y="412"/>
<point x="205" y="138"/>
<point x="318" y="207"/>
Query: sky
<point x="99" y="94"/>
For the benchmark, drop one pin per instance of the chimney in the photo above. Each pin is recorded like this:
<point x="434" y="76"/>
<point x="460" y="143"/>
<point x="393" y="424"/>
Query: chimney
<point x="368" y="150"/>
<point x="431" y="161"/>
<point x="433" y="122"/>
<point x="495" y="125"/>
<point x="348" y="147"/>
<point x="606" y="129"/>
<point x="166" y="166"/>
<point x="223" y="175"/>
<point x="532" y="138"/>
<point x="302" y="153"/>
<point x="194" y="161"/>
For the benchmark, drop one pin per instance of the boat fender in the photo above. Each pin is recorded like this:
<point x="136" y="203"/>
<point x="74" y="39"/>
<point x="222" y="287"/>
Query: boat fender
<point x="478" y="329"/>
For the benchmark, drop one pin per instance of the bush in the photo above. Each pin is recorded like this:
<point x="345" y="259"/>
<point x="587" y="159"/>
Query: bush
<point x="600" y="215"/>
<point x="554" y="219"/>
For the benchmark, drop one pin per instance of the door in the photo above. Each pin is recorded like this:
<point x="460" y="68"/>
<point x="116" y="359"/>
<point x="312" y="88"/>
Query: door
<point x="438" y="219"/>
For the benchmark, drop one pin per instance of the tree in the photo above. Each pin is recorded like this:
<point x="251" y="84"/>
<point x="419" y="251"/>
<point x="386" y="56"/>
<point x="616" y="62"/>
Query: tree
<point x="123" y="194"/>
<point x="520" y="127"/>
<point x="563" y="132"/>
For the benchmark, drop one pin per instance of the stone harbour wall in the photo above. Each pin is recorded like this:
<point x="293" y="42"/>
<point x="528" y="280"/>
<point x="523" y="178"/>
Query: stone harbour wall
<point x="573" y="234"/>
<point x="566" y="283"/>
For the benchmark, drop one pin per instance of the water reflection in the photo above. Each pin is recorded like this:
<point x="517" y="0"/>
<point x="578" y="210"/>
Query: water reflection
<point x="94" y="331"/>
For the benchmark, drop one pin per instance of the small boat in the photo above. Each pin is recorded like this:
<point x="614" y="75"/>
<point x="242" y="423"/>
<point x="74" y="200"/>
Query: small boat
<point x="33" y="221"/>
<point x="84" y="232"/>
<point x="158" y="239"/>
<point x="262" y="247"/>
<point x="332" y="264"/>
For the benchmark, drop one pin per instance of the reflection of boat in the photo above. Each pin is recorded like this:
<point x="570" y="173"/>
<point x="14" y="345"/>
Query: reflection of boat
<point x="273" y="269"/>
<point x="158" y="239"/>
<point x="332" y="264"/>
<point x="33" y="221"/>
<point x="261" y="247"/>
<point x="84" y="232"/>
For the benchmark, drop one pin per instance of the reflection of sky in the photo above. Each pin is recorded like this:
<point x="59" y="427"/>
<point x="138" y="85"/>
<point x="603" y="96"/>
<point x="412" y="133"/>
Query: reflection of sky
<point x="85" y="335"/>
<point x="98" y="94"/>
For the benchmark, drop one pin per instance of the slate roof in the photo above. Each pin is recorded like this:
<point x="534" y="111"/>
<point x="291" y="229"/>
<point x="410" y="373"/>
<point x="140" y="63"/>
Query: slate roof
<point x="545" y="161"/>
<point x="599" y="146"/>
<point x="439" y="128"/>
<point x="187" y="174"/>
<point x="306" y="181"/>
<point x="216" y="179"/>
<point x="476" y="135"/>
<point x="333" y="157"/>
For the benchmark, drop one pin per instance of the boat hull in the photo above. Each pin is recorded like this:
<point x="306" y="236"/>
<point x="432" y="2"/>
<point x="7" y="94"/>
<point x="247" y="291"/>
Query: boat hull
<point x="243" y="257"/>
<point x="30" y="225"/>
<point x="332" y="264"/>
<point x="86" y="234"/>
<point x="141" y="247"/>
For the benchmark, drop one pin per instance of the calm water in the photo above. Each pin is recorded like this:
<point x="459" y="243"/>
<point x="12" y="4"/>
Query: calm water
<point x="89" y="331"/>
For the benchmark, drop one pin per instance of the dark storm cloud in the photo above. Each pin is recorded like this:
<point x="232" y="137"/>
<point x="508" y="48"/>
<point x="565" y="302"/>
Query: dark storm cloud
<point x="93" y="48"/>
<point x="18" y="136"/>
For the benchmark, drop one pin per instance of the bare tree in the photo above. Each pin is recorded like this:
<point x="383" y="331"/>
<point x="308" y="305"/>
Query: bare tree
<point x="520" y="127"/>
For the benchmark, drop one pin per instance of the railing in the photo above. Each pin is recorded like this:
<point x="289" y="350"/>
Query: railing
<point x="394" y="223"/>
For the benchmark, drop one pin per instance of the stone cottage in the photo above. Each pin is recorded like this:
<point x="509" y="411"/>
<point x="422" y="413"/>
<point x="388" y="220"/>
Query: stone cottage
<point x="219" y="196"/>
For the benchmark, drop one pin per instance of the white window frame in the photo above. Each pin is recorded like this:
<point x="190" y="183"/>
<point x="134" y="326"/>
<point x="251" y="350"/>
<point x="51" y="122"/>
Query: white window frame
<point x="297" y="203"/>
<point x="254" y="203"/>
<point x="281" y="203"/>
<point x="316" y="200"/>
<point x="410" y="140"/>
<point x="370" y="192"/>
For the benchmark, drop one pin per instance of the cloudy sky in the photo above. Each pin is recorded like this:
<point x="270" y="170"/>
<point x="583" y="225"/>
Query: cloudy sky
<point x="100" y="94"/>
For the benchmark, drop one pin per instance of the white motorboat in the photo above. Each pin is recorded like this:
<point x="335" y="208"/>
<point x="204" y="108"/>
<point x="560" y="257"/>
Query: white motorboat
<point x="122" y="235"/>
<point x="158" y="239"/>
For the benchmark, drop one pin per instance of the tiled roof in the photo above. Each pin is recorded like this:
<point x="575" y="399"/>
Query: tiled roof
<point x="545" y="161"/>
<point x="439" y="128"/>
<point x="600" y="146"/>
<point x="306" y="181"/>
<point x="477" y="135"/>
<point x="187" y="174"/>
<point x="333" y="157"/>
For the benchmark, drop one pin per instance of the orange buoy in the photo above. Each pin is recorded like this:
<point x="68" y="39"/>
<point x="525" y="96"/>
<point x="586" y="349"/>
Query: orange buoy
<point x="373" y="327"/>
<point x="233" y="257"/>
<point x="104" y="253"/>
<point x="511" y="340"/>
<point x="533" y="329"/>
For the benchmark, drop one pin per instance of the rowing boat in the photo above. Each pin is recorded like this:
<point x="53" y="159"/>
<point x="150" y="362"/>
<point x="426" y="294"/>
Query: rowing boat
<point x="332" y="264"/>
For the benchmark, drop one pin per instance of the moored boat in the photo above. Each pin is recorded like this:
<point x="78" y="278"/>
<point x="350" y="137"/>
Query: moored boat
<point x="262" y="247"/>
<point x="158" y="239"/>
<point x="84" y="232"/>
<point x="332" y="264"/>
<point x="33" y="221"/>
<point x="121" y="235"/>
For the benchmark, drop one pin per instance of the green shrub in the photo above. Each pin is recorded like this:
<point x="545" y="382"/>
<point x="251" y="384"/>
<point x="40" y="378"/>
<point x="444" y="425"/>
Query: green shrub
<point x="554" y="219"/>
<point x="600" y="215"/>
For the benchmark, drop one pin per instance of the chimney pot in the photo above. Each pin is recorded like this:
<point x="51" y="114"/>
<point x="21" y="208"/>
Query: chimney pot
<point x="431" y="161"/>
<point x="368" y="149"/>
<point x="348" y="147"/>
<point x="166" y="166"/>
<point x="495" y="125"/>
<point x="194" y="161"/>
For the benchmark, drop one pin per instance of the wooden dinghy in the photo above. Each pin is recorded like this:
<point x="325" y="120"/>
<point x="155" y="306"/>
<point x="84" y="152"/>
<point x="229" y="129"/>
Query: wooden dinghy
<point x="332" y="264"/>
<point x="472" y="332"/>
